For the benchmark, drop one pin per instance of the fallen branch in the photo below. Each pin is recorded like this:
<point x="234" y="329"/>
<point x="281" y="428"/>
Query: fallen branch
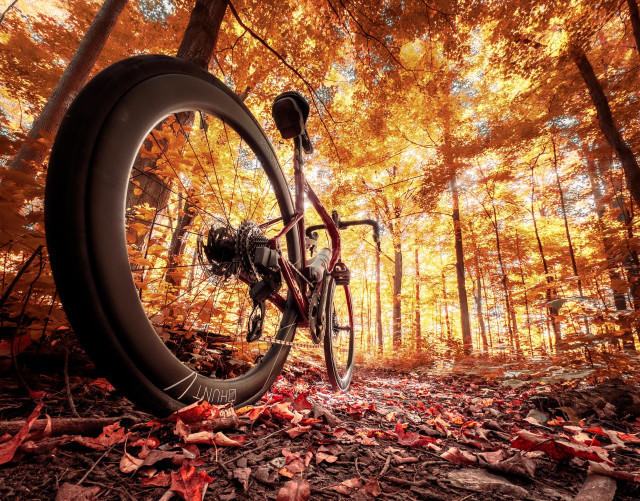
<point x="68" y="426"/>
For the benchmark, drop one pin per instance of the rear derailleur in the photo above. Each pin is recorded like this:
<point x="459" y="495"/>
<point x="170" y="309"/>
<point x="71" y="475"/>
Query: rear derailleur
<point x="245" y="251"/>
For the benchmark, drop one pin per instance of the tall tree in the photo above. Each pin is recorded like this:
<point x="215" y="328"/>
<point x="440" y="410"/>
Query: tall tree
<point x="607" y="124"/>
<point x="32" y="153"/>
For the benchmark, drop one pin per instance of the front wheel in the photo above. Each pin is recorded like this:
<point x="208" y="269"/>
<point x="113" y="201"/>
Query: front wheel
<point x="339" y="337"/>
<point x="161" y="185"/>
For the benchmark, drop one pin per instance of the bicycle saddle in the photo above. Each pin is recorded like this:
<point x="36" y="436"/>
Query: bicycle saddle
<point x="290" y="112"/>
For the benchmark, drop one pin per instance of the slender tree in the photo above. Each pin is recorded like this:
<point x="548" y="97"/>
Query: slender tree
<point x="33" y="153"/>
<point x="607" y="123"/>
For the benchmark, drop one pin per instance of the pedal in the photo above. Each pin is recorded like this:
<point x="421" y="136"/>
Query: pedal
<point x="255" y="324"/>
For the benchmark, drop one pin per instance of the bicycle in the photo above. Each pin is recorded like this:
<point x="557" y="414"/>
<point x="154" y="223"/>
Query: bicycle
<point x="170" y="223"/>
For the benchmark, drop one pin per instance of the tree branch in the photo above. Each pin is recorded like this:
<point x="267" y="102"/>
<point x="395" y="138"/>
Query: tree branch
<point x="312" y="91"/>
<point x="7" y="10"/>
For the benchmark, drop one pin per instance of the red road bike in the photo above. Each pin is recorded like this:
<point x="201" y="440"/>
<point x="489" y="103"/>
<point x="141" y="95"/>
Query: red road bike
<point x="181" y="258"/>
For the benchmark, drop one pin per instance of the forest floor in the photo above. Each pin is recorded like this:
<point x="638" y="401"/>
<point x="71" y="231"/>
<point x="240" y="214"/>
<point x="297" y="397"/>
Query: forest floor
<point x="394" y="435"/>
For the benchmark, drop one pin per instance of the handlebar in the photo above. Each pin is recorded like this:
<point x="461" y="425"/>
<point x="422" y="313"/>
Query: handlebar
<point x="346" y="224"/>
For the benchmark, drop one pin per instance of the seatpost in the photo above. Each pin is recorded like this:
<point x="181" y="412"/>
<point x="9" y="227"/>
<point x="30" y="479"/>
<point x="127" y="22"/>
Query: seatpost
<point x="298" y="162"/>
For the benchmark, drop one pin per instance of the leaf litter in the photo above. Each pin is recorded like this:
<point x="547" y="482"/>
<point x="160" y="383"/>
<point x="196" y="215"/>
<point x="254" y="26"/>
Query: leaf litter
<point x="391" y="435"/>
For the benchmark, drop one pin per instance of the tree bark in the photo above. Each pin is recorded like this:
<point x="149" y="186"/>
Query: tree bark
<point x="524" y="288"/>
<point x="635" y="21"/>
<point x="511" y="329"/>
<point x="467" y="341"/>
<point x="607" y="123"/>
<point x="201" y="35"/>
<point x="550" y="292"/>
<point x="32" y="154"/>
<point x="196" y="46"/>
<point x="397" y="295"/>
<point x="478" y="293"/>
<point x="563" y="206"/>
<point x="418" y="320"/>
<point x="378" y="304"/>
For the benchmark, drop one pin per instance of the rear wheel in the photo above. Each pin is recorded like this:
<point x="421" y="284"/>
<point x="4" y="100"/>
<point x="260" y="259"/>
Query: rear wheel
<point x="161" y="186"/>
<point x="339" y="336"/>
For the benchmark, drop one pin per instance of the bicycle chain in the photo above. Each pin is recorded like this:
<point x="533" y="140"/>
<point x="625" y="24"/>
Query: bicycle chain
<point x="291" y="344"/>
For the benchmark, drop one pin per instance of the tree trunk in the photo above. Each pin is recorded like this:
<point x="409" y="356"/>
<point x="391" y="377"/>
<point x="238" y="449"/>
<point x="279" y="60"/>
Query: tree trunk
<point x="197" y="45"/>
<point x="524" y="288"/>
<point x="550" y="292"/>
<point x="418" y="321"/>
<point x="467" y="341"/>
<point x="445" y="300"/>
<point x="397" y="295"/>
<point x="32" y="154"/>
<point x="607" y="124"/>
<point x="504" y="281"/>
<point x="201" y="35"/>
<point x="378" y="304"/>
<point x="619" y="299"/>
<point x="572" y="255"/>
<point x="478" y="292"/>
<point x="635" y="21"/>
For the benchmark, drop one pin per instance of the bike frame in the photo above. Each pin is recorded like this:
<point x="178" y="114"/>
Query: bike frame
<point x="289" y="270"/>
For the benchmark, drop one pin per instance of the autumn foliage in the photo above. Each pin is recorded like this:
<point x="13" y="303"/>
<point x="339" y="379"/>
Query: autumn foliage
<point x="470" y="130"/>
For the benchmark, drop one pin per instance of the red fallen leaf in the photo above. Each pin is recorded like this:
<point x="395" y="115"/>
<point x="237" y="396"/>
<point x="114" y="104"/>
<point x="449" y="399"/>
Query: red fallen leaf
<point x="603" y="469"/>
<point x="256" y="412"/>
<point x="110" y="435"/>
<point x="73" y="492"/>
<point x="181" y="429"/>
<point x="242" y="476"/>
<point x="151" y="442"/>
<point x="325" y="456"/>
<point x="372" y="488"/>
<point x="297" y="431"/>
<point x="36" y="394"/>
<point x="197" y="411"/>
<point x="310" y="421"/>
<point x="129" y="464"/>
<point x="295" y="490"/>
<point x="355" y="412"/>
<point x="629" y="438"/>
<point x="596" y="430"/>
<point x="514" y="465"/>
<point x="348" y="486"/>
<point x="189" y="483"/>
<point x="301" y="403"/>
<point x="286" y="473"/>
<point x="282" y="412"/>
<point x="103" y="384"/>
<point x="457" y="456"/>
<point x="157" y="455"/>
<point x="9" y="448"/>
<point x="162" y="479"/>
<point x="528" y="441"/>
<point x="411" y="439"/>
<point x="478" y="438"/>
<point x="207" y="437"/>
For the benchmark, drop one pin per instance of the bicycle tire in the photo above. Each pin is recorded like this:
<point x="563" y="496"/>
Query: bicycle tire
<point x="339" y="348"/>
<point x="85" y="199"/>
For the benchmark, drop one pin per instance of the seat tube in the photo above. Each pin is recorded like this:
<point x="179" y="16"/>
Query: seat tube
<point x="299" y="194"/>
